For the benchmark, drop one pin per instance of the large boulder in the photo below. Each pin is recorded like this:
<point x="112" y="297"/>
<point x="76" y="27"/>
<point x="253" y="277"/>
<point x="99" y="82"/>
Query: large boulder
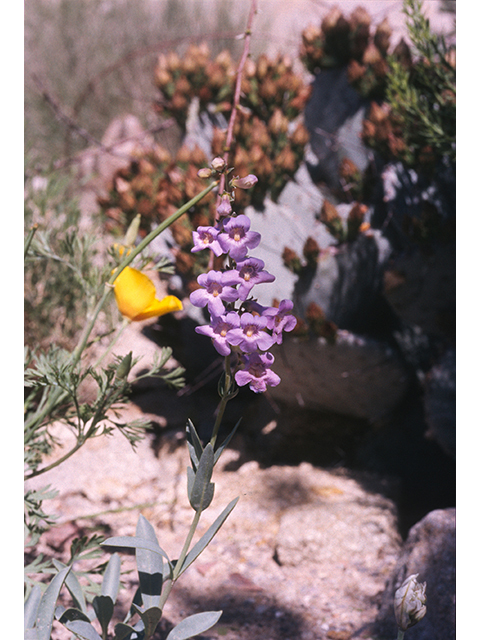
<point x="429" y="551"/>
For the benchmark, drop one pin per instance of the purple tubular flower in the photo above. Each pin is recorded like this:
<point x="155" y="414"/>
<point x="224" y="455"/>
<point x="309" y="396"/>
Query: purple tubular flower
<point x="257" y="372"/>
<point x="280" y="320"/>
<point x="217" y="330"/>
<point x="224" y="208"/>
<point x="214" y="293"/>
<point x="236" y="238"/>
<point x="248" y="273"/>
<point x="251" y="335"/>
<point x="245" y="183"/>
<point x="206" y="238"/>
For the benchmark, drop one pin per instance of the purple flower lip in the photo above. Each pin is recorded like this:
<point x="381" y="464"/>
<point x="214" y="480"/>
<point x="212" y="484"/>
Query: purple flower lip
<point x="251" y="336"/>
<point x="280" y="320"/>
<point x="248" y="273"/>
<point x="213" y="293"/>
<point x="206" y="238"/>
<point x="236" y="238"/>
<point x="218" y="329"/>
<point x="257" y="372"/>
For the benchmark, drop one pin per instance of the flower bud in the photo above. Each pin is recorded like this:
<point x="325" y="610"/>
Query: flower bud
<point x="246" y="182"/>
<point x="204" y="172"/>
<point x="224" y="208"/>
<point x="410" y="602"/>
<point x="124" y="367"/>
<point x="218" y="164"/>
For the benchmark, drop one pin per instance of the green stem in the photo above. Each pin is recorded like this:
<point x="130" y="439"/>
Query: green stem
<point x="181" y="559"/>
<point x="223" y="402"/>
<point x="28" y="239"/>
<point x="401" y="634"/>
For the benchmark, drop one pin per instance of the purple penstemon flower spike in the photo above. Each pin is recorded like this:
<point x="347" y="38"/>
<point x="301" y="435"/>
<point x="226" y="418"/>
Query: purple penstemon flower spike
<point x="218" y="329"/>
<point x="257" y="372"/>
<point x="237" y="238"/>
<point x="248" y="273"/>
<point x="213" y="293"/>
<point x="206" y="238"/>
<point x="251" y="334"/>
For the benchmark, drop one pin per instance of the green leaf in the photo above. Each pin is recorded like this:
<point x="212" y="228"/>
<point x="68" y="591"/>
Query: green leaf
<point x="194" y="444"/>
<point x="225" y="443"/>
<point x="111" y="578"/>
<point x="83" y="630"/>
<point x="70" y="615"/>
<point x="203" y="490"/>
<point x="150" y="618"/>
<point x="149" y="565"/>
<point x="103" y="607"/>
<point x="73" y="586"/>
<point x="30" y="607"/>
<point x="134" y="542"/>
<point x="194" y="625"/>
<point x="196" y="550"/>
<point x="123" y="630"/>
<point x="46" y="609"/>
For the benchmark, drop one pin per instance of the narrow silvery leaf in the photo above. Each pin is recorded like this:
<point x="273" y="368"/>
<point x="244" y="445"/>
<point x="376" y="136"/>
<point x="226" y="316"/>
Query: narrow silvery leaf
<point x="73" y="585"/>
<point x="194" y="440"/>
<point x="46" y="609"/>
<point x="225" y="443"/>
<point x="134" y="542"/>
<point x="30" y="607"/>
<point x="83" y="630"/>
<point x="207" y="536"/>
<point x="111" y="578"/>
<point x="190" y="482"/>
<point x="149" y="566"/>
<point x="194" y="625"/>
<point x="202" y="490"/>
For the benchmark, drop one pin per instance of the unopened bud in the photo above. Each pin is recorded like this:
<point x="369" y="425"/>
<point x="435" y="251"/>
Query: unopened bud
<point x="132" y="231"/>
<point x="124" y="367"/>
<point x="218" y="164"/>
<point x="204" y="172"/>
<point x="410" y="602"/>
<point x="224" y="208"/>
<point x="245" y="183"/>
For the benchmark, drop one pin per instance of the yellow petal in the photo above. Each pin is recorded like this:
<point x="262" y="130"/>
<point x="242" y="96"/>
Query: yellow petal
<point x="136" y="299"/>
<point x="160" y="308"/>
<point x="134" y="292"/>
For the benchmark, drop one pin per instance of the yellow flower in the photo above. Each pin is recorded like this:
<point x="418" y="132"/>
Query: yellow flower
<point x="136" y="296"/>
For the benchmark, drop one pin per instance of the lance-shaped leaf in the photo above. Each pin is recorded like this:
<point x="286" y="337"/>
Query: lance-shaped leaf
<point x="134" y="542"/>
<point x="73" y="585"/>
<point x="68" y="615"/>
<point x="195" y="447"/>
<point x="46" y="608"/>
<point x="202" y="491"/>
<point x="149" y="566"/>
<point x="194" y="625"/>
<point x="197" y="549"/>
<point x="123" y="630"/>
<point x="111" y="578"/>
<point x="30" y="607"/>
<point x="225" y="443"/>
<point x="83" y="630"/>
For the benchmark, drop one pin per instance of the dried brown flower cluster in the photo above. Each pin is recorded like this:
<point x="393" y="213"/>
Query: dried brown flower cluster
<point x="156" y="185"/>
<point x="339" y="42"/>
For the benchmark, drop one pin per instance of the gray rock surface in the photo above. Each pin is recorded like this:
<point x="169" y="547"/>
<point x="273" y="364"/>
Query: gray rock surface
<point x="430" y="551"/>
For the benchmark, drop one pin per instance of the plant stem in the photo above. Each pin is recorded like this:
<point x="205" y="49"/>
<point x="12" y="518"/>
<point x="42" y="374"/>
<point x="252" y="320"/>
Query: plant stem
<point x="223" y="402"/>
<point x="401" y="634"/>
